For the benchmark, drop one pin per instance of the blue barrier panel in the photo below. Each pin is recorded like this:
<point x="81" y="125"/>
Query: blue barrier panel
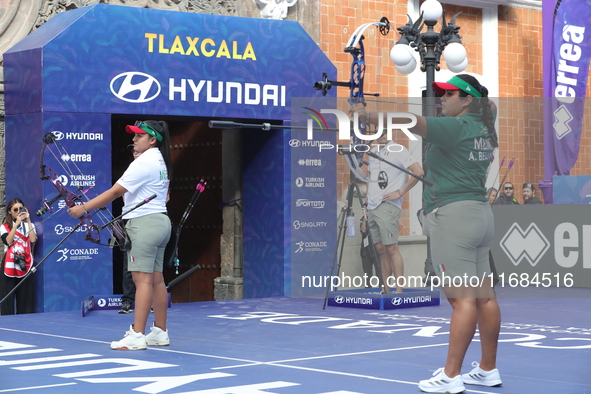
<point x="571" y="189"/>
<point x="372" y="299"/>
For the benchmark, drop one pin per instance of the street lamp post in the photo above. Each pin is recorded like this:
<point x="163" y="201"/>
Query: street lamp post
<point x="429" y="45"/>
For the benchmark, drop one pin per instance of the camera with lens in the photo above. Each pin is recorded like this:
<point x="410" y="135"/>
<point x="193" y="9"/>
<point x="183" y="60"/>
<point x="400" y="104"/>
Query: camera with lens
<point x="20" y="260"/>
<point x="22" y="209"/>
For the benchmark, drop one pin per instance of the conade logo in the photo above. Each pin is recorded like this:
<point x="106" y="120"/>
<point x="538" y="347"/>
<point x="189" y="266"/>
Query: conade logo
<point x="135" y="87"/>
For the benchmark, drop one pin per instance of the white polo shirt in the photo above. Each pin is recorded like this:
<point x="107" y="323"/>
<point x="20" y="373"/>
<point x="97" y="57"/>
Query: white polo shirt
<point x="147" y="175"/>
<point x="387" y="179"/>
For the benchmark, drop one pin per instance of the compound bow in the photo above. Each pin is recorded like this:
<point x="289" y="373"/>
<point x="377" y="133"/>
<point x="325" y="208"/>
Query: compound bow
<point x="71" y="197"/>
<point x="355" y="84"/>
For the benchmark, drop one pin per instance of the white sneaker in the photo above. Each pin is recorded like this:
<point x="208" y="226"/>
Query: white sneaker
<point x="131" y="341"/>
<point x="441" y="383"/>
<point x="482" y="378"/>
<point x="157" y="337"/>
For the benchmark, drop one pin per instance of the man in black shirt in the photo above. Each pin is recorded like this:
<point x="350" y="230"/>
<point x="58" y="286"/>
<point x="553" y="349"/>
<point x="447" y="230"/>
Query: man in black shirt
<point x="529" y="194"/>
<point x="507" y="197"/>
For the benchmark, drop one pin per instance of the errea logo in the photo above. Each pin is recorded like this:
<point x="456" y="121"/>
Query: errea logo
<point x="562" y="118"/>
<point x="77" y="157"/>
<point x="135" y="87"/>
<point x="530" y="244"/>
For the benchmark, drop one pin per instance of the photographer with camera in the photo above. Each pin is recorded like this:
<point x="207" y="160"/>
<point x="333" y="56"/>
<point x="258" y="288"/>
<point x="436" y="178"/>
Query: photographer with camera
<point x="18" y="234"/>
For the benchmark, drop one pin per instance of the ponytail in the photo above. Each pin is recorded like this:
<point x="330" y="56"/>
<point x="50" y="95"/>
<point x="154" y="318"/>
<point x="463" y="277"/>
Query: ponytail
<point x="482" y="105"/>
<point x="488" y="119"/>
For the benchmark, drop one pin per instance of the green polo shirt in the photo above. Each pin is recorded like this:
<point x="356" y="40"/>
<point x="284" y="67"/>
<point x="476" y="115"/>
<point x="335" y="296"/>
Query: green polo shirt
<point x="459" y="154"/>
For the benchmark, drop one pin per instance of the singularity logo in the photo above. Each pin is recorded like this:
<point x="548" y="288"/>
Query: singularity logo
<point x="317" y="117"/>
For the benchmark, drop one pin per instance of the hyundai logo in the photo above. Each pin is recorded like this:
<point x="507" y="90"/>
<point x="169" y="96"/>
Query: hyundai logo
<point x="58" y="135"/>
<point x="339" y="299"/>
<point x="294" y="143"/>
<point x="397" y="301"/>
<point x="135" y="87"/>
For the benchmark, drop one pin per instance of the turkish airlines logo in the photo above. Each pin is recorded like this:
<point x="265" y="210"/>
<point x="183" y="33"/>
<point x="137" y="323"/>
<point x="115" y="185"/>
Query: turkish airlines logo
<point x="562" y="118"/>
<point x="135" y="87"/>
<point x="530" y="244"/>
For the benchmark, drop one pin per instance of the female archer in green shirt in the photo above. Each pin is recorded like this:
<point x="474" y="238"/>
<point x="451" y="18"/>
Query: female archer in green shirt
<point x="460" y="224"/>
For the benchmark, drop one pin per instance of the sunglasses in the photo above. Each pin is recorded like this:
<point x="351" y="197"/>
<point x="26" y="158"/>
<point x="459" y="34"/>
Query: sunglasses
<point x="149" y="129"/>
<point x="508" y="188"/>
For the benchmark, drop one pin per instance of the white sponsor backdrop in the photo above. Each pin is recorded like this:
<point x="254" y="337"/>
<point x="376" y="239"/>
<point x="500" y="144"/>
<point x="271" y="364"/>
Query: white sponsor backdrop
<point x="543" y="245"/>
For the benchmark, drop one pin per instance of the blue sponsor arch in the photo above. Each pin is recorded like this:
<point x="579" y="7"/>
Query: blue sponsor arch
<point x="84" y="66"/>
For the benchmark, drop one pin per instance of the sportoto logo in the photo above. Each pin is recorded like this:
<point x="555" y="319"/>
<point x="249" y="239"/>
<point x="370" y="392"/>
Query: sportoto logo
<point x="339" y="299"/>
<point x="530" y="244"/>
<point x="397" y="301"/>
<point x="135" y="87"/>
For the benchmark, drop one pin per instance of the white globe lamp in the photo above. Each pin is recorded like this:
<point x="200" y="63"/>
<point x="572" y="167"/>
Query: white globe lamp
<point x="431" y="10"/>
<point x="401" y="54"/>
<point x="407" y="68"/>
<point x="459" y="67"/>
<point x="454" y="54"/>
